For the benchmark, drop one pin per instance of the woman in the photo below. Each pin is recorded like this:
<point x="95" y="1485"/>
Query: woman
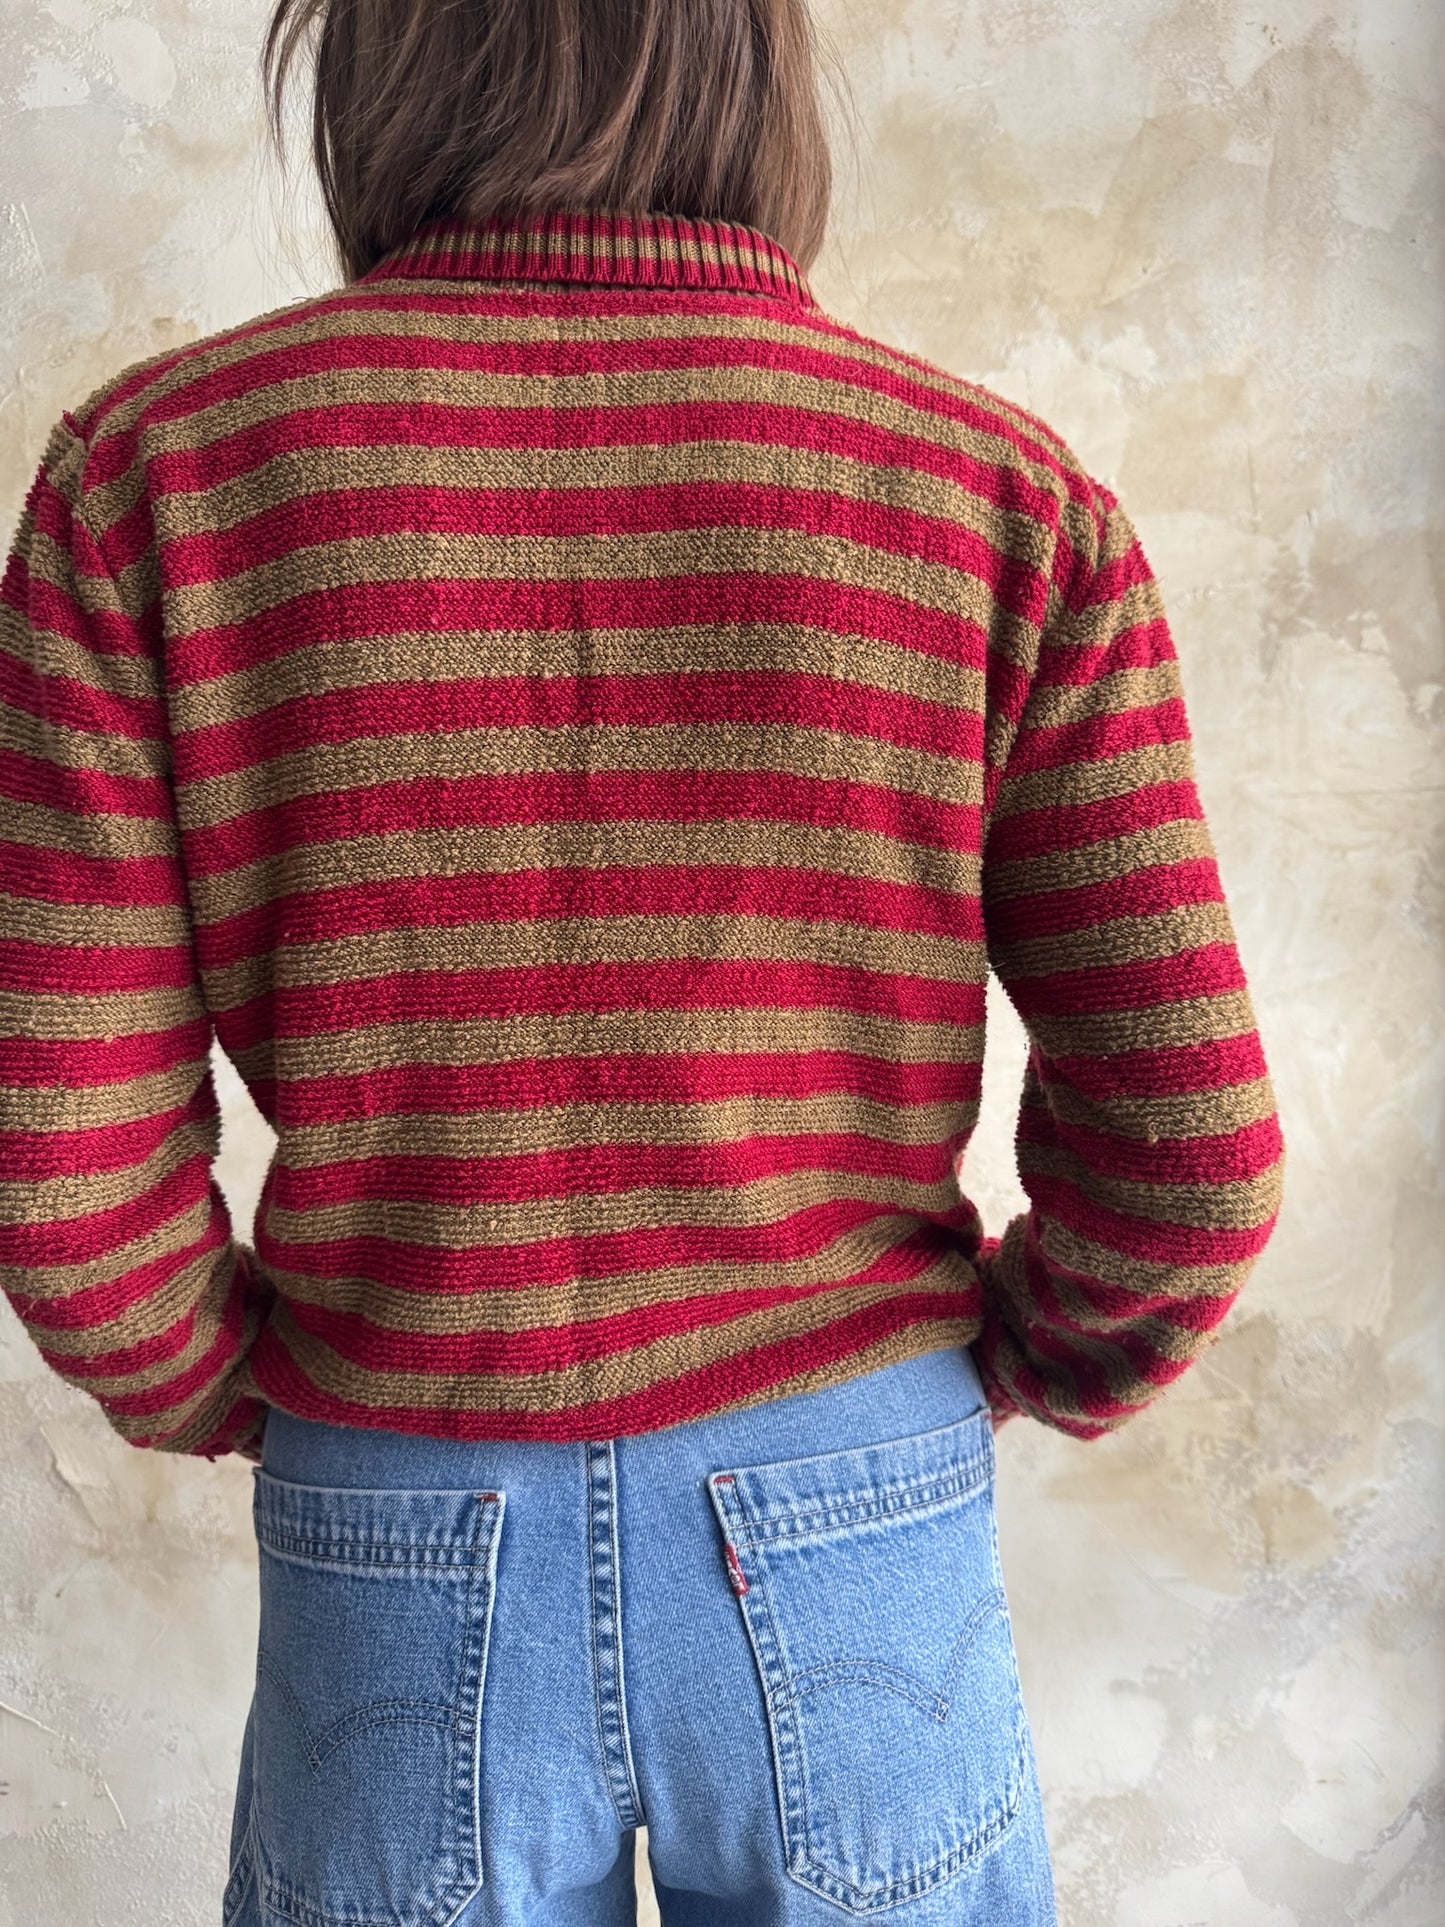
<point x="578" y="723"/>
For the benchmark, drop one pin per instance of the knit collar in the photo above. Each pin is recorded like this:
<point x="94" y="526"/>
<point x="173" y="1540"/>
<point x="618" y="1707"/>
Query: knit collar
<point x="652" y="250"/>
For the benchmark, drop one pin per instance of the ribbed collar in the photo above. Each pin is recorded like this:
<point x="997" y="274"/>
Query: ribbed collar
<point x="652" y="250"/>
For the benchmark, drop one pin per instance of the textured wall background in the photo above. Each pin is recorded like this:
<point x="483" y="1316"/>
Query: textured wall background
<point x="1203" y="240"/>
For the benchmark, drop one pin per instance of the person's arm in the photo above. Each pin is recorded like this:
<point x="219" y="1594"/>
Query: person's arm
<point x="1148" y="1141"/>
<point x="116" y="1248"/>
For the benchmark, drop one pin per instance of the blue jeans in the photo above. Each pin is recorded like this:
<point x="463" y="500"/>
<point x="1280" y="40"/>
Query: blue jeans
<point x="776" y="1637"/>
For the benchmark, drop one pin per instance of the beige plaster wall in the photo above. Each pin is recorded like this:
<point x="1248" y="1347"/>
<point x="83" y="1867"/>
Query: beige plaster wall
<point x="1204" y="241"/>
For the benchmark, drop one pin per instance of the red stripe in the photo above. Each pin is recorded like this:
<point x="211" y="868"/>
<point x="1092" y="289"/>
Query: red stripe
<point x="667" y="1077"/>
<point x="1094" y="739"/>
<point x="582" y="796"/>
<point x="1165" y="1071"/>
<point x="1134" y="1236"/>
<point x="545" y="1348"/>
<point x="82" y="1238"/>
<point x="325" y="352"/>
<point x="34" y="1157"/>
<point x="218" y="1358"/>
<point x="1143" y="644"/>
<point x="590" y="1169"/>
<point x="300" y="522"/>
<point x="727" y="599"/>
<point x="1213" y="970"/>
<point x="1058" y="826"/>
<point x="87" y="793"/>
<point x="44" y="875"/>
<point x="708" y="1388"/>
<point x="423" y="423"/>
<point x="682" y="890"/>
<point x="100" y="1062"/>
<point x="97" y="632"/>
<point x="530" y="990"/>
<point x="1232" y="1157"/>
<point x="563" y="1261"/>
<point x="1152" y="890"/>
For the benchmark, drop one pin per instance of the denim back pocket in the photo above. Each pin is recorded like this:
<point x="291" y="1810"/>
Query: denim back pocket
<point x="376" y="1610"/>
<point x="870" y="1586"/>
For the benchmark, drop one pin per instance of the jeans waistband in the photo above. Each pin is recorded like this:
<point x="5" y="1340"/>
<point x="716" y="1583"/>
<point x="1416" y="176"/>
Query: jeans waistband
<point x="910" y="1396"/>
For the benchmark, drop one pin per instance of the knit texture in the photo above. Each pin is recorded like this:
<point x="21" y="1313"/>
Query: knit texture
<point x="577" y="723"/>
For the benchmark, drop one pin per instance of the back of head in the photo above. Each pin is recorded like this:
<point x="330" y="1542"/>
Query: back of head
<point x="703" y="108"/>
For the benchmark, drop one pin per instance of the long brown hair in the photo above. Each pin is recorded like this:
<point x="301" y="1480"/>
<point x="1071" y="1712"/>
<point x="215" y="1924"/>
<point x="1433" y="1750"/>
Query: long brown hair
<point x="708" y="109"/>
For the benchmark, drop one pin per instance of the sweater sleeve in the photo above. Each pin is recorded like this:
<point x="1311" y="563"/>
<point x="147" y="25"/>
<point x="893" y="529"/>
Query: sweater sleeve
<point x="116" y="1248"/>
<point x="1148" y="1142"/>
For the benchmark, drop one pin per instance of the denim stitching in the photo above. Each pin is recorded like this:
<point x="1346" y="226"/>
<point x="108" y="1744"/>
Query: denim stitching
<point x="992" y="1605"/>
<point x="243" y="1868"/>
<point x="616" y="1757"/>
<point x="856" y="1672"/>
<point x="778" y="1694"/>
<point x="279" y="1893"/>
<point x="912" y="1496"/>
<point x="824" y="1880"/>
<point x="783" y="1700"/>
<point x="357" y="1553"/>
<point x="471" y="1723"/>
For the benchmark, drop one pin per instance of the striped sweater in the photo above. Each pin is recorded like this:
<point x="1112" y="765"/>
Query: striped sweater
<point x="578" y="724"/>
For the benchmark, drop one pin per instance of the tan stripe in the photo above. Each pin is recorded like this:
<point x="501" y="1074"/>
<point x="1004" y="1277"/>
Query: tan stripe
<point x="57" y="1107"/>
<point x="47" y="561"/>
<point x="769" y="385"/>
<point x="1121" y="1383"/>
<point x="100" y="1017"/>
<point x="1087" y="1330"/>
<point x="77" y="748"/>
<point x="489" y="750"/>
<point x="673" y="464"/>
<point x="704" y="1122"/>
<point x="833" y="338"/>
<point x="1092" y="782"/>
<point x="95" y="1017"/>
<point x="1177" y="1115"/>
<point x="1097" y="625"/>
<point x="205" y="1284"/>
<point x="160" y="1309"/>
<point x="1107" y="1033"/>
<point x="1112" y="695"/>
<point x="497" y="849"/>
<point x="124" y="594"/>
<point x="1169" y="1340"/>
<point x="1213" y="1112"/>
<point x="763" y="1202"/>
<point x="453" y="1047"/>
<point x="608" y="1378"/>
<point x="1070" y="1253"/>
<point x="375" y="1047"/>
<point x="494" y="849"/>
<point x="114" y="835"/>
<point x="1121" y="940"/>
<point x="489" y="945"/>
<point x="77" y="1194"/>
<point x="1239" y="1204"/>
<point x="1118" y="537"/>
<point x="422" y="656"/>
<point x="1180" y="840"/>
<point x="557" y="1307"/>
<point x="652" y="555"/>
<point x="352" y="314"/>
